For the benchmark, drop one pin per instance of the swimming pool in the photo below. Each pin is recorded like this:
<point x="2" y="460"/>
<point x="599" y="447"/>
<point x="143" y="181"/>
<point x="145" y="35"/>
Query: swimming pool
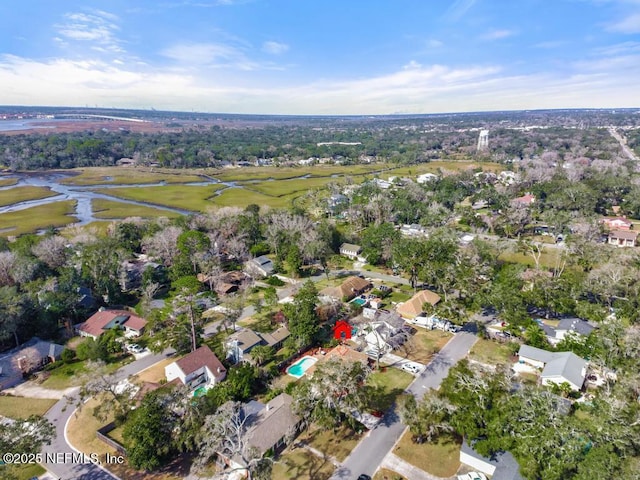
<point x="198" y="392"/>
<point x="359" y="301"/>
<point x="297" y="369"/>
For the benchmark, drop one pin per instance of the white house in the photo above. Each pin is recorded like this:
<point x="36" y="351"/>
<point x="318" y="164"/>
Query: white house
<point x="200" y="368"/>
<point x="350" y="250"/>
<point x="557" y="367"/>
<point x="426" y="177"/>
<point x="260" y="266"/>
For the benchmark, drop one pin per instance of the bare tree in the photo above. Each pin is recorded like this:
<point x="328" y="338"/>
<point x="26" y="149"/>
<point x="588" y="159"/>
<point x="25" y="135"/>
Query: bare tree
<point x="52" y="251"/>
<point x="163" y="244"/>
<point x="7" y="264"/>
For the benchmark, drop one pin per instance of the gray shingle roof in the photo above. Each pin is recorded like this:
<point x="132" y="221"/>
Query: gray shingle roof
<point x="507" y="467"/>
<point x="576" y="325"/>
<point x="565" y="364"/>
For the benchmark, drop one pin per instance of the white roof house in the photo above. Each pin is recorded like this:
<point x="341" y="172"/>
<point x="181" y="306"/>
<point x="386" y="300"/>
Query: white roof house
<point x="426" y="177"/>
<point x="260" y="266"/>
<point x="557" y="367"/>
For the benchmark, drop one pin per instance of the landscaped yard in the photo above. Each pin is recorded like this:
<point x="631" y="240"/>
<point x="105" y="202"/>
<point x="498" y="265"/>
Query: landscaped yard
<point x="441" y="459"/>
<point x="81" y="432"/>
<point x="64" y="376"/>
<point x="21" y="407"/>
<point x="301" y="464"/>
<point x="336" y="443"/>
<point x="386" y="384"/>
<point x="422" y="346"/>
<point x="490" y="352"/>
<point x="153" y="374"/>
<point x="386" y="474"/>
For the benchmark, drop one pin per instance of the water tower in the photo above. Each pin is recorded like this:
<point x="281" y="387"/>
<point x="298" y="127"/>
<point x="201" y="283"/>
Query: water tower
<point x="483" y="140"/>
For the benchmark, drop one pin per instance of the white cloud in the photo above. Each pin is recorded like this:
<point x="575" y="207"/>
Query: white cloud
<point x="458" y="9"/>
<point x="497" y="34"/>
<point x="97" y="27"/>
<point x="629" y="25"/>
<point x="274" y="48"/>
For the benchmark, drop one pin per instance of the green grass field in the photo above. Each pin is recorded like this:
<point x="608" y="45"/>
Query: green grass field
<point x="128" y="176"/>
<point x="112" y="209"/>
<point x="194" y="198"/>
<point x="23" y="194"/>
<point x="5" y="182"/>
<point x="386" y="386"/>
<point x="301" y="464"/>
<point x="56" y="214"/>
<point x="278" y="188"/>
<point x="21" y="408"/>
<point x="239" y="197"/>
<point x="441" y="459"/>
<point x="490" y="352"/>
<point x="548" y="258"/>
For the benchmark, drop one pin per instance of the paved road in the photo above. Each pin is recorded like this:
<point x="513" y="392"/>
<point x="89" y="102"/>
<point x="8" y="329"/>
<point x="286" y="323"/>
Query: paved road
<point x="66" y="467"/>
<point x="368" y="455"/>
<point x="623" y="143"/>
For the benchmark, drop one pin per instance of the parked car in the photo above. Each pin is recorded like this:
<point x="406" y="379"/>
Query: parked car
<point x="364" y="476"/>
<point x="472" y="476"/>
<point x="411" y="368"/>
<point x="134" y="348"/>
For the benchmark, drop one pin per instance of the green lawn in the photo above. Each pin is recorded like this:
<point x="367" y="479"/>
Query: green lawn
<point x="24" y="194"/>
<point x="21" y="407"/>
<point x="385" y="386"/>
<point x="301" y="464"/>
<point x="386" y="474"/>
<point x="113" y="209"/>
<point x="337" y="443"/>
<point x="193" y="198"/>
<point x="64" y="376"/>
<point x="129" y="175"/>
<point x="29" y="220"/>
<point x="488" y="351"/>
<point x="548" y="258"/>
<point x="424" y="344"/>
<point x="26" y="472"/>
<point x="441" y="459"/>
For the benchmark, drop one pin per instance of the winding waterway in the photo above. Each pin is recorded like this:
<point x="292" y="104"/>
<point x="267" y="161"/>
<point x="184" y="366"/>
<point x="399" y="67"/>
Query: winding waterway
<point x="83" y="195"/>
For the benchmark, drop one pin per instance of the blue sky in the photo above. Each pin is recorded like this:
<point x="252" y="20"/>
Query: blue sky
<point x="321" y="56"/>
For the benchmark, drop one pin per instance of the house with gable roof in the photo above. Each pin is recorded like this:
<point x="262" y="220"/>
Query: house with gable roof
<point x="557" y="367"/>
<point x="104" y="320"/>
<point x="200" y="368"/>
<point x="415" y="305"/>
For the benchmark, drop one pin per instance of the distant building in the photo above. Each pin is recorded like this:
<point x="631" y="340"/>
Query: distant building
<point x="617" y="223"/>
<point x="525" y="201"/>
<point x="260" y="266"/>
<point x="622" y="238"/>
<point x="350" y="250"/>
<point x="426" y="178"/>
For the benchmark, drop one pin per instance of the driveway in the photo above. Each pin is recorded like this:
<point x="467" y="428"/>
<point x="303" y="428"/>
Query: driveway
<point x="60" y="454"/>
<point x="372" y="449"/>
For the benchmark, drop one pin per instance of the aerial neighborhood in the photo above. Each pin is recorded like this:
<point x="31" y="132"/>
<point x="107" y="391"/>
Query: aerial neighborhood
<point x="450" y="309"/>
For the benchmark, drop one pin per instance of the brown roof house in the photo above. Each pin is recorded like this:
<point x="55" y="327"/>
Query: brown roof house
<point x="415" y="305"/>
<point x="104" y="320"/>
<point x="623" y="238"/>
<point x="200" y="368"/>
<point x="348" y="289"/>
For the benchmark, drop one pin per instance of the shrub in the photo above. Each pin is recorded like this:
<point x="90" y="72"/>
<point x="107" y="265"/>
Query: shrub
<point x="67" y="355"/>
<point x="274" y="281"/>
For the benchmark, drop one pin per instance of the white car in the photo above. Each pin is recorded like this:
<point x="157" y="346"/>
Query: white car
<point x="411" y="368"/>
<point x="134" y="348"/>
<point x="472" y="476"/>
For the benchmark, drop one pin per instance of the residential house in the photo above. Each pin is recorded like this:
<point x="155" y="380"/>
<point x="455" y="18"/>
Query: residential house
<point x="350" y="250"/>
<point x="104" y="320"/>
<point x="415" y="305"/>
<point x="622" y="238"/>
<point x="383" y="184"/>
<point x="501" y="466"/>
<point x="239" y="344"/>
<point x="413" y="230"/>
<point x="269" y="427"/>
<point x="567" y="326"/>
<point x="557" y="367"/>
<point x="426" y="178"/>
<point x="30" y="356"/>
<point x="200" y="368"/>
<point x="348" y="289"/>
<point x="507" y="177"/>
<point x="342" y="330"/>
<point x="525" y="201"/>
<point x="617" y="223"/>
<point x="384" y="333"/>
<point x="260" y="266"/>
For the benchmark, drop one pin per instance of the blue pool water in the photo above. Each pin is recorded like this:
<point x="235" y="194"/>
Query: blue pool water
<point x="198" y="392"/>
<point x="359" y="301"/>
<point x="297" y="369"/>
